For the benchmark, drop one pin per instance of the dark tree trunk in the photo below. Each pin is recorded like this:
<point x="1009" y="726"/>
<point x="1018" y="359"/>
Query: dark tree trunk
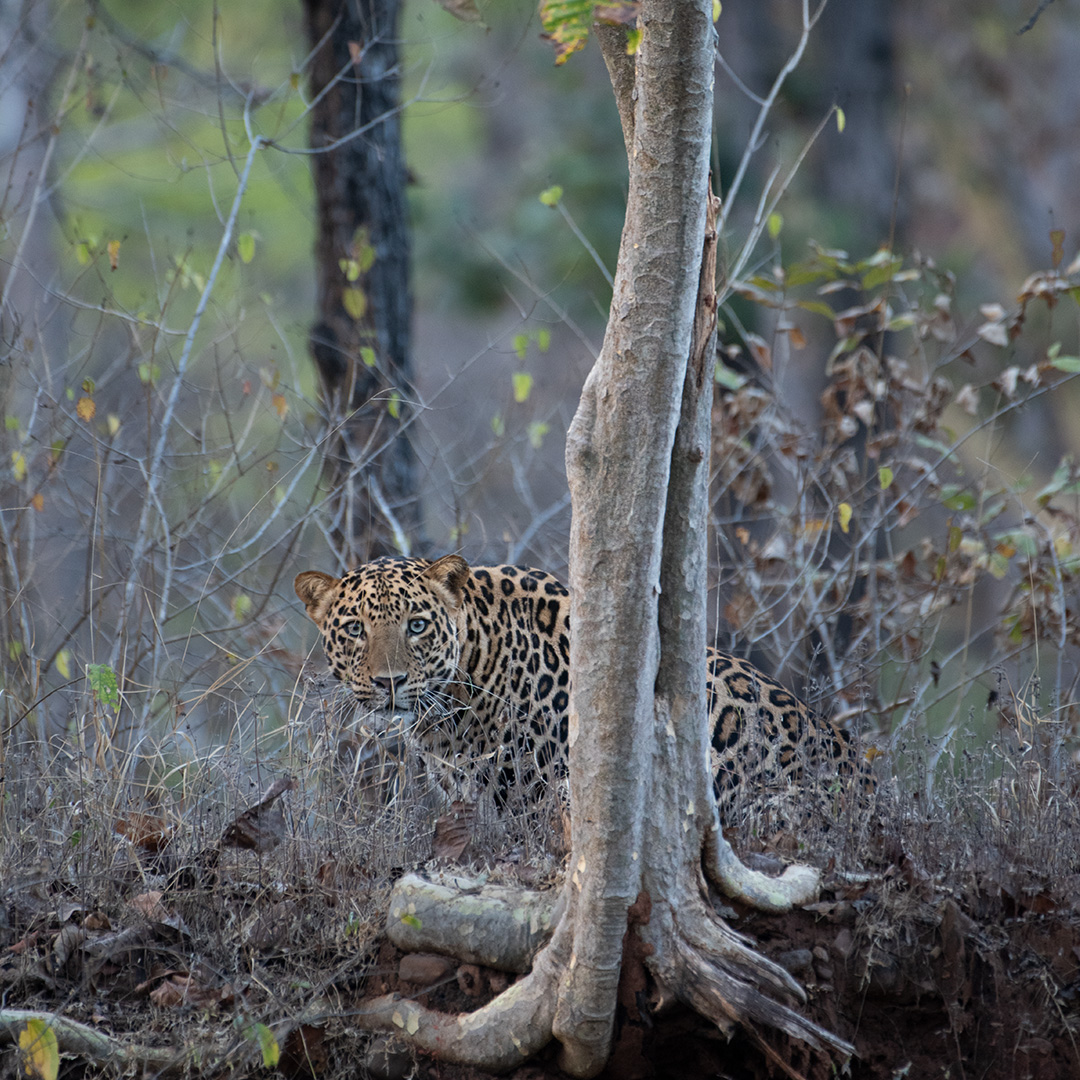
<point x="361" y="339"/>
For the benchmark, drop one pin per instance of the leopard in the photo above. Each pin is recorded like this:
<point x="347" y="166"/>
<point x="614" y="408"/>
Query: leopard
<point x="478" y="658"/>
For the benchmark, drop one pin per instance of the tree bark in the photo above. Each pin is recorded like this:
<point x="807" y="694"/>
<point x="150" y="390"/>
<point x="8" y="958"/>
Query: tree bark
<point x="361" y="340"/>
<point x="637" y="463"/>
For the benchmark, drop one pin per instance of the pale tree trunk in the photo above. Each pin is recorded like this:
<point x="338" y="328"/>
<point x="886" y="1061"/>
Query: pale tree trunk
<point x="644" y="819"/>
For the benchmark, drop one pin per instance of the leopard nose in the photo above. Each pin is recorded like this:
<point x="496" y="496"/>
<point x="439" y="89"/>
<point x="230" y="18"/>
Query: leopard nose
<point x="393" y="686"/>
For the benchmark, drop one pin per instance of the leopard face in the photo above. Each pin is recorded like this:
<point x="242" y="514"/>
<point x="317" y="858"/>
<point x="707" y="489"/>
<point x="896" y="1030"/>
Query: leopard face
<point x="481" y="657"/>
<point x="391" y="630"/>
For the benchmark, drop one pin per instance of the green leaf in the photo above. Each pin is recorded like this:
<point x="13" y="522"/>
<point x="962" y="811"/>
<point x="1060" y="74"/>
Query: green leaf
<point x="818" y="307"/>
<point x="522" y="385"/>
<point x="241" y="606"/>
<point x="393" y="406"/>
<point x="18" y="466"/>
<point x="63" y="663"/>
<point x="537" y="430"/>
<point x="102" y="681"/>
<point x="885" y="477"/>
<point x="1069" y="364"/>
<point x="715" y="10"/>
<point x="411" y="920"/>
<point x="956" y="498"/>
<point x="774" y="224"/>
<point x="728" y="379"/>
<point x="245" y="245"/>
<point x="566" y="25"/>
<point x="633" y="40"/>
<point x="521" y="345"/>
<point x="543" y="340"/>
<point x="903" y="321"/>
<point x="149" y="373"/>
<point x="367" y="354"/>
<point x="880" y="274"/>
<point x="551" y="196"/>
<point x="841" y="120"/>
<point x="498" y="426"/>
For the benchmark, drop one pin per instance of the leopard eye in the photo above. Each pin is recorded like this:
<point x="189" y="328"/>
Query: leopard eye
<point x="417" y="626"/>
<point x="354" y="629"/>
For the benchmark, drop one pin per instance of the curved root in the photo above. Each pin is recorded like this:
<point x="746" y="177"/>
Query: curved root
<point x="797" y="885"/>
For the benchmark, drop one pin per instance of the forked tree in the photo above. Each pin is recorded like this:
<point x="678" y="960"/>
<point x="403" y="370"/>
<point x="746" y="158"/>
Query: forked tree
<point x="645" y="831"/>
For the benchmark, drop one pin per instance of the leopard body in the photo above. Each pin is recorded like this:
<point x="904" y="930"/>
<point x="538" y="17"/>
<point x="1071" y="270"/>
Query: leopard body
<point x="480" y="656"/>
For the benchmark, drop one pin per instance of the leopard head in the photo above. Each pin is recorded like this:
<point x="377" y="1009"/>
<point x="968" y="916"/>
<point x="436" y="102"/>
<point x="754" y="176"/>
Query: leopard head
<point x="392" y="629"/>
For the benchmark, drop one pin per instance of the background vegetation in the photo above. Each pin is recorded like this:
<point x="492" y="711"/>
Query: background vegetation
<point x="897" y="511"/>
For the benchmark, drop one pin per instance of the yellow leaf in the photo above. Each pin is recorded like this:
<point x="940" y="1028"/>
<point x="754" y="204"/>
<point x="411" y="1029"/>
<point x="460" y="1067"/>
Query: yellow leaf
<point x="38" y="502"/>
<point x="113" y="422"/>
<point x="41" y="1054"/>
<point x="715" y="10"/>
<point x="844" y="514"/>
<point x="63" y="663"/>
<point x="18" y="465"/>
<point x="355" y="303"/>
<point x="522" y="385"/>
<point x="85" y="409"/>
<point x="114" y="254"/>
<point x="281" y="405"/>
<point x="271" y="1052"/>
<point x="841" y="120"/>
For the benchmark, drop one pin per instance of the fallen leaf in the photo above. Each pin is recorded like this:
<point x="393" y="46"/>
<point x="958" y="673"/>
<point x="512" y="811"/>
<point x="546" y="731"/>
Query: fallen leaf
<point x="453" y="831"/>
<point x="262" y="827"/>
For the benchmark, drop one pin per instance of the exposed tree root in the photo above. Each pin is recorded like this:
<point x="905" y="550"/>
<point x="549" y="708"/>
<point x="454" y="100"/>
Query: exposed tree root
<point x="499" y="1036"/>
<point x="797" y="885"/>
<point x="726" y="999"/>
<point x="93" y="1045"/>
<point x="493" y="925"/>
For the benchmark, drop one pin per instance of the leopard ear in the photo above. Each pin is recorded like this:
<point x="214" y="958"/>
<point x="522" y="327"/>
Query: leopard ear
<point x="316" y="590"/>
<point x="451" y="572"/>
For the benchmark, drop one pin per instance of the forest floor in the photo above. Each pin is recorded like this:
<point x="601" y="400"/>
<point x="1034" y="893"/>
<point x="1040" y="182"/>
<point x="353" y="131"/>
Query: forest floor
<point x="214" y="943"/>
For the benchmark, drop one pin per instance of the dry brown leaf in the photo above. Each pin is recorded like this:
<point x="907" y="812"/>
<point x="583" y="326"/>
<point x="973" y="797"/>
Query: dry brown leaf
<point x="146" y="831"/>
<point x="149" y="905"/>
<point x="188" y="988"/>
<point x="453" y="831"/>
<point x="967" y="398"/>
<point x="759" y="350"/>
<point x="262" y="827"/>
<point x="465" y="10"/>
